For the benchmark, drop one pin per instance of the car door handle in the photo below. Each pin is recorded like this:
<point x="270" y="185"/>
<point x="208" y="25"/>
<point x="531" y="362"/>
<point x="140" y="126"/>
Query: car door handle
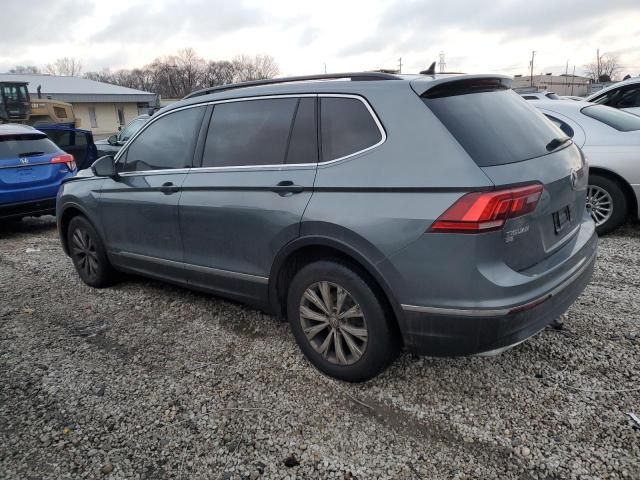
<point x="287" y="187"/>
<point x="168" y="188"/>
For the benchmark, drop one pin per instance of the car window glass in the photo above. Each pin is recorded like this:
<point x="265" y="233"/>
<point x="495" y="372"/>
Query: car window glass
<point x="566" y="129"/>
<point x="167" y="143"/>
<point x="346" y="127"/>
<point x="495" y="127"/>
<point x="131" y="129"/>
<point x="618" y="119"/>
<point x="630" y="98"/>
<point x="303" y="147"/>
<point x="14" y="146"/>
<point x="251" y="132"/>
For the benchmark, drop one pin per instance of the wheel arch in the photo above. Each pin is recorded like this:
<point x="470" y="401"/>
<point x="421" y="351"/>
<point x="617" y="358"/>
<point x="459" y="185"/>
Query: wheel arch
<point x="630" y="195"/>
<point x="305" y="250"/>
<point x="68" y="212"/>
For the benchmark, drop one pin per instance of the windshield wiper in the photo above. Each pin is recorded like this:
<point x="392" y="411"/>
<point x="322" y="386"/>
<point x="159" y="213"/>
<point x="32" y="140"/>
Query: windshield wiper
<point x="556" y="143"/>
<point x="31" y="154"/>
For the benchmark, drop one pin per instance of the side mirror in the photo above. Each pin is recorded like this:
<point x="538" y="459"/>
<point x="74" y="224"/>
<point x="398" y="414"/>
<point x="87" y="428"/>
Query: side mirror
<point x="105" y="167"/>
<point x="113" y="140"/>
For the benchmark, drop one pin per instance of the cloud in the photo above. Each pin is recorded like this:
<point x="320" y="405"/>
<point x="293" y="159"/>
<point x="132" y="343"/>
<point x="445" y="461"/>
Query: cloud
<point x="416" y="22"/>
<point x="152" y="22"/>
<point x="39" y="21"/>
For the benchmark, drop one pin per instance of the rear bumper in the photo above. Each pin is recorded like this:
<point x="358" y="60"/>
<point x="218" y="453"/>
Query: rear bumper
<point x="43" y="206"/>
<point x="450" y="332"/>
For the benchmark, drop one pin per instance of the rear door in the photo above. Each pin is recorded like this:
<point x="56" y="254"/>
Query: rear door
<point x="78" y="143"/>
<point x="514" y="144"/>
<point x="28" y="170"/>
<point x="139" y="208"/>
<point x="247" y="199"/>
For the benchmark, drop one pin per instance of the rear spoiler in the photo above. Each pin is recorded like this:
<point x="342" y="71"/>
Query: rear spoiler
<point x="459" y="85"/>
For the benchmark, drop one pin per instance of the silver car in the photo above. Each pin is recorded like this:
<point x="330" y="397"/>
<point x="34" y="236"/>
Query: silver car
<point x="610" y="139"/>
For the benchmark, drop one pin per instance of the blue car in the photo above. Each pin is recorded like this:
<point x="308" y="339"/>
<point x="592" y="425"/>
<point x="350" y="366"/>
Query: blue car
<point x="32" y="167"/>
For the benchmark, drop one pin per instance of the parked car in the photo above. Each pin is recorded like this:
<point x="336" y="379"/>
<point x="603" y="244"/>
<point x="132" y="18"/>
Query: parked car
<point x="75" y="141"/>
<point x="546" y="95"/>
<point x="442" y="213"/>
<point x="623" y="95"/>
<point x="32" y="168"/>
<point x="113" y="144"/>
<point x="610" y="139"/>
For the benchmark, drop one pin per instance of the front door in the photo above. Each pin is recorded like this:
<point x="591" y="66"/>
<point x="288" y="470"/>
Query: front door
<point x="139" y="208"/>
<point x="247" y="199"/>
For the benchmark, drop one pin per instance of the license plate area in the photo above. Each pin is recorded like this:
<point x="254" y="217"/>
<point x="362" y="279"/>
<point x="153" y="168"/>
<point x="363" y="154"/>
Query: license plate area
<point x="562" y="219"/>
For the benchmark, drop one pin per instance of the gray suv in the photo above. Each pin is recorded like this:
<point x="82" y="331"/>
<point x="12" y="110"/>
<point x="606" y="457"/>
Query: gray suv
<point x="442" y="214"/>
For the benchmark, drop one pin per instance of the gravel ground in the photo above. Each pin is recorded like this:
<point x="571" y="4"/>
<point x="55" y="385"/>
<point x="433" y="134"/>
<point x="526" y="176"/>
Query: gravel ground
<point x="145" y="380"/>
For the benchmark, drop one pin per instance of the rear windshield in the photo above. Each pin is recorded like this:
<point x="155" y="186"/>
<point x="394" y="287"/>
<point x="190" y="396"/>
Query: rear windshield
<point x="14" y="146"/>
<point x="495" y="127"/>
<point x="622" y="121"/>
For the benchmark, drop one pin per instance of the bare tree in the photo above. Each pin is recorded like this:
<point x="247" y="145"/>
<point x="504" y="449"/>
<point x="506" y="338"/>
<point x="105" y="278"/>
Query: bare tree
<point x="68" y="66"/>
<point x="604" y="70"/>
<point x="25" y="69"/>
<point x="177" y="75"/>
<point x="256" y="67"/>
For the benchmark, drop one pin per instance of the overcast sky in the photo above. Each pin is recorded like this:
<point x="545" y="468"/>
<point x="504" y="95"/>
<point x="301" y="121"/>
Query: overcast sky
<point x="345" y="35"/>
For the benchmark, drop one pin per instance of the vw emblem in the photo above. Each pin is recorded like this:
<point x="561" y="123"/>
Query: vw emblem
<point x="24" y="160"/>
<point x="574" y="179"/>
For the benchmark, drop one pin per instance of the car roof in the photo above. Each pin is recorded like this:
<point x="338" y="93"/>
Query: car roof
<point x="338" y="85"/>
<point x="17" y="129"/>
<point x="629" y="81"/>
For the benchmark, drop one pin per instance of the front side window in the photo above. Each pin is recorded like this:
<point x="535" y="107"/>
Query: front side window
<point x="249" y="132"/>
<point x="167" y="143"/>
<point x="347" y="127"/>
<point x="630" y="97"/>
<point x="622" y="121"/>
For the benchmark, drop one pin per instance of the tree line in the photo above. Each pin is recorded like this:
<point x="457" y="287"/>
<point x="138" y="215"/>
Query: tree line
<point x="171" y="76"/>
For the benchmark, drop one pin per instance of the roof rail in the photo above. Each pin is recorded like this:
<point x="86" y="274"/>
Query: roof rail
<point x="356" y="76"/>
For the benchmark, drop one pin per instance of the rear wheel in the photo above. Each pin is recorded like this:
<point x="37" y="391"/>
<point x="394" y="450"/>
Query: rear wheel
<point x="606" y="202"/>
<point x="88" y="254"/>
<point x="339" y="322"/>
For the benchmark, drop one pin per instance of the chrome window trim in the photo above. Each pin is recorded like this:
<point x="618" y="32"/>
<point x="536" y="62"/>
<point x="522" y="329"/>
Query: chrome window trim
<point x="283" y="166"/>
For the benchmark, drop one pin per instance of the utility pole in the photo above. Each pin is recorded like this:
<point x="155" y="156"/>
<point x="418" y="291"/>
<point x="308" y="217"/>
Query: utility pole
<point x="400" y="65"/>
<point x="533" y="55"/>
<point x="566" y="77"/>
<point x="598" y="62"/>
<point x="325" y="67"/>
<point x="573" y="79"/>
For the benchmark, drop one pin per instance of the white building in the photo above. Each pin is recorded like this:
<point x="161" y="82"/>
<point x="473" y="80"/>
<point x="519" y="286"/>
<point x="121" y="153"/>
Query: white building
<point x="101" y="107"/>
<point x="560" y="84"/>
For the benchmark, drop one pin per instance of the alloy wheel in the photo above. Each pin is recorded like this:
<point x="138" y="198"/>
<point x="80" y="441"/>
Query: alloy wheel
<point x="333" y="323"/>
<point x="599" y="204"/>
<point x="83" y="249"/>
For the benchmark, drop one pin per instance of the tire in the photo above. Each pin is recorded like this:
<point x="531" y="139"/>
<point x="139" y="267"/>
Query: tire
<point x="373" y="352"/>
<point x="604" y="193"/>
<point x="88" y="254"/>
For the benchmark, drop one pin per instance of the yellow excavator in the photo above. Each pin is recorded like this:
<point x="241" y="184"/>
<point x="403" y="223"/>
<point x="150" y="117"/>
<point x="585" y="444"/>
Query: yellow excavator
<point x="17" y="106"/>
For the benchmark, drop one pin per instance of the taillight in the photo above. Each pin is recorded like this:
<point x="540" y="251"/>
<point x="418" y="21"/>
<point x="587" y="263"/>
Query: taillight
<point x="65" y="158"/>
<point x="479" y="212"/>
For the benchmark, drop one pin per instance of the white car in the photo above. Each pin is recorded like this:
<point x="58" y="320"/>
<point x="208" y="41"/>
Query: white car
<point x="610" y="139"/>
<point x="624" y="95"/>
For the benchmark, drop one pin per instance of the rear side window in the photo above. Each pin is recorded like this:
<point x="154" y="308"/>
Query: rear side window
<point x="167" y="143"/>
<point x="347" y="127"/>
<point x="566" y="129"/>
<point x="14" y="146"/>
<point x="303" y="146"/>
<point x="495" y="127"/>
<point x="251" y="132"/>
<point x="622" y="121"/>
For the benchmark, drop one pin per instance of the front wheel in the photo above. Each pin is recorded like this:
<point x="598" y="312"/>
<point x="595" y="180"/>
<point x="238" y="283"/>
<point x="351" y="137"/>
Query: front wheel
<point x="339" y="322"/>
<point x="606" y="202"/>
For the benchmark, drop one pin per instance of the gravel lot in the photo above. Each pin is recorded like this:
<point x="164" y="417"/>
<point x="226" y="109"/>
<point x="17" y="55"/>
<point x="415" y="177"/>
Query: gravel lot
<point x="145" y="380"/>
